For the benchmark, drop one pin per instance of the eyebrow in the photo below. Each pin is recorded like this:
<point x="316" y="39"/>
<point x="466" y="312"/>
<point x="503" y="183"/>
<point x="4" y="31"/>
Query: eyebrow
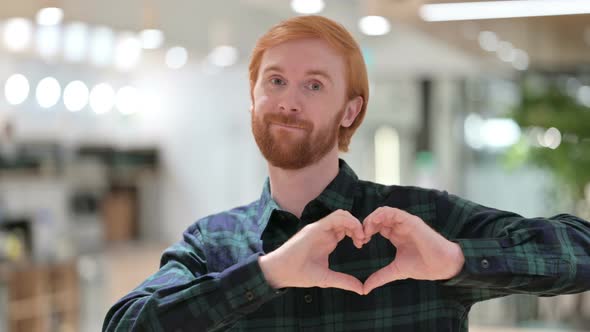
<point x="315" y="72"/>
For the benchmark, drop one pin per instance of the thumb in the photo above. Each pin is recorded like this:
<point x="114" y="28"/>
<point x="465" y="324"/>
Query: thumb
<point x="380" y="278"/>
<point x="343" y="281"/>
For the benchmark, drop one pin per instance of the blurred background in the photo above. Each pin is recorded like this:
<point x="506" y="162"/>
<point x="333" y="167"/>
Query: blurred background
<point x="123" y="122"/>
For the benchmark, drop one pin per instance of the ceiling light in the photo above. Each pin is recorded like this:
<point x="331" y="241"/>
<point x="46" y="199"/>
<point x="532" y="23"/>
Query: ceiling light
<point x="521" y="60"/>
<point x="16" y="89"/>
<point x="102" y="98"/>
<point x="307" y="6"/>
<point x="151" y="38"/>
<point x="505" y="51"/>
<point x="50" y="16"/>
<point x="127" y="51"/>
<point x="374" y="25"/>
<point x="488" y="41"/>
<point x="502" y="9"/>
<point x="48" y="40"/>
<point x="75" y="41"/>
<point x="18" y="33"/>
<point x="176" y="57"/>
<point x="75" y="96"/>
<point x="101" y="46"/>
<point x="48" y="92"/>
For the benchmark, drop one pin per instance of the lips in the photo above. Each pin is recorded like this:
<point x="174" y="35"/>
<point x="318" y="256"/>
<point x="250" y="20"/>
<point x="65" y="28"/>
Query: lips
<point x="286" y="125"/>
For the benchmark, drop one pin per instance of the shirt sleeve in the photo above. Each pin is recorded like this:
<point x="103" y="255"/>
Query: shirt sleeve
<point x="506" y="253"/>
<point x="184" y="296"/>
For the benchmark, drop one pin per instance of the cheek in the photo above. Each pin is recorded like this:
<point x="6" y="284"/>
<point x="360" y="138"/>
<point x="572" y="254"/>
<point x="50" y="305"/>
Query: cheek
<point x="262" y="103"/>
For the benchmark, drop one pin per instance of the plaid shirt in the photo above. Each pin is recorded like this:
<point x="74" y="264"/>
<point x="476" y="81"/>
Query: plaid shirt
<point x="211" y="280"/>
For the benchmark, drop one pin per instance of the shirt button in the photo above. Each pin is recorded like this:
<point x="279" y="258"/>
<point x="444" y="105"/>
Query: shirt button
<point x="308" y="298"/>
<point x="249" y="295"/>
<point x="485" y="264"/>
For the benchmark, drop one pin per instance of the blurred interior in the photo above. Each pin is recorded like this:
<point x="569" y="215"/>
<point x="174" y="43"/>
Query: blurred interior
<point x="122" y="122"/>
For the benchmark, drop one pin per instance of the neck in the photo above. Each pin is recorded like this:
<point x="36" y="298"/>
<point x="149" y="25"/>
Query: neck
<point x="293" y="189"/>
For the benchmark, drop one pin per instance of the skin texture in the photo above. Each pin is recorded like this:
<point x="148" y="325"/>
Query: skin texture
<point x="299" y="105"/>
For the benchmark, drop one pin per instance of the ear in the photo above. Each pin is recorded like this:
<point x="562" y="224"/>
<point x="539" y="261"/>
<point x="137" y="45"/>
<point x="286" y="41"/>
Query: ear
<point x="352" y="110"/>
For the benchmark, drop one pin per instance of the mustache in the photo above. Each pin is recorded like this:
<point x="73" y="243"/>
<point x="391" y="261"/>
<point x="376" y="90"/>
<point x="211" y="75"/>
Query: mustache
<point x="287" y="120"/>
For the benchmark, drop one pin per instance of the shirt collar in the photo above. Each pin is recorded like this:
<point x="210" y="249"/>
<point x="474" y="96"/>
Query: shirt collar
<point x="339" y="194"/>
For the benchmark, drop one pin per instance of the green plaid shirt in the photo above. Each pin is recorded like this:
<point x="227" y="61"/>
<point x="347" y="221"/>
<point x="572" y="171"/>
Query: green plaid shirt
<point x="211" y="279"/>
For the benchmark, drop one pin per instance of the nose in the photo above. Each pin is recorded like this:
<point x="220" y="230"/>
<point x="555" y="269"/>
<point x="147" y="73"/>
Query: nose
<point x="289" y="101"/>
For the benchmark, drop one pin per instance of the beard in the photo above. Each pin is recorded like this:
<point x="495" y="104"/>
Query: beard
<point x="293" y="149"/>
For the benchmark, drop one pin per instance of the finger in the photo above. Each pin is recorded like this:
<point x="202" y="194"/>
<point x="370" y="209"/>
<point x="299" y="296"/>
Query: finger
<point x="393" y="237"/>
<point x="386" y="232"/>
<point x="344" y="221"/>
<point x="343" y="281"/>
<point x="353" y="225"/>
<point x="388" y="217"/>
<point x="357" y="242"/>
<point x="380" y="278"/>
<point x="372" y="223"/>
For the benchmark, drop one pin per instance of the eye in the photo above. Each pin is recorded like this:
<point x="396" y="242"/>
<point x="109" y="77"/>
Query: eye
<point x="314" y="86"/>
<point x="277" y="81"/>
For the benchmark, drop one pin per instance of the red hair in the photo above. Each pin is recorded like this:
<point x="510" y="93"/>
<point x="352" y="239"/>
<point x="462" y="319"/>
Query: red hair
<point x="335" y="35"/>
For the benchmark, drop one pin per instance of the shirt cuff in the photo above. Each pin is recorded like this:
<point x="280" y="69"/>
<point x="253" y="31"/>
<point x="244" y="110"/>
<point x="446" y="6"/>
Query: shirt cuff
<point x="245" y="285"/>
<point x="484" y="259"/>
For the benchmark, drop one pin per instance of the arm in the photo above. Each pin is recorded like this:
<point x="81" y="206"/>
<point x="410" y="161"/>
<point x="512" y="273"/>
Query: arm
<point x="506" y="253"/>
<point x="184" y="295"/>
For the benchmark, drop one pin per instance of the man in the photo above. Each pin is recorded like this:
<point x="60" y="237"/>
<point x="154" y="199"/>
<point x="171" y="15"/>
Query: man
<point x="323" y="251"/>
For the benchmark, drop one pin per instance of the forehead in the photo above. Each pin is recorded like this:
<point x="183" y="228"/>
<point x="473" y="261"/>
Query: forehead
<point x="302" y="55"/>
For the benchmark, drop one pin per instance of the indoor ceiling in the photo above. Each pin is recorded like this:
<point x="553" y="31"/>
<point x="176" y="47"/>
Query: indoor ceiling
<point x="552" y="43"/>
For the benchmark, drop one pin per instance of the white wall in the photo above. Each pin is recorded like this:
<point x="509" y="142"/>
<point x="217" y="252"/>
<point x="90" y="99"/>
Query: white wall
<point x="211" y="161"/>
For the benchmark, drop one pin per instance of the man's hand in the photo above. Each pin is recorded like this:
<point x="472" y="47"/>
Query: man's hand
<point x="422" y="253"/>
<point x="302" y="261"/>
